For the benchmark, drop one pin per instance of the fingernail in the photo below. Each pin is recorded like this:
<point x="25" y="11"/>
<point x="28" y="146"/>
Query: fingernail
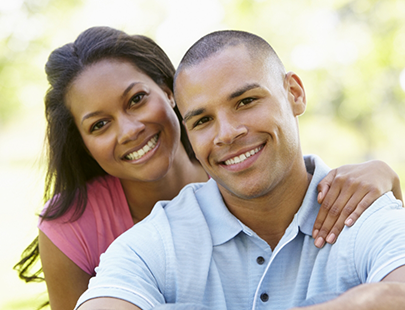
<point x="331" y="238"/>
<point x="349" y="222"/>
<point x="315" y="233"/>
<point x="319" y="242"/>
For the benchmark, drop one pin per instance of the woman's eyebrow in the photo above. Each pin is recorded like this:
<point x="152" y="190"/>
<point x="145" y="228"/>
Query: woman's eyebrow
<point x="130" y="86"/>
<point x="90" y="115"/>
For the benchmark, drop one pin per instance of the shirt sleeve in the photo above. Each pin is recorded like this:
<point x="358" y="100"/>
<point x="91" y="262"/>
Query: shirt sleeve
<point x="71" y="238"/>
<point x="380" y="243"/>
<point x="105" y="218"/>
<point x="132" y="269"/>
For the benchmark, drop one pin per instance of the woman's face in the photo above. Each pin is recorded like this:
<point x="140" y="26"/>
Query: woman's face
<point x="126" y="120"/>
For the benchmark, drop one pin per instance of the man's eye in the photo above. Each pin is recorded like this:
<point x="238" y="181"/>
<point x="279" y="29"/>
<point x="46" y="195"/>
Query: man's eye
<point x="98" y="125"/>
<point x="136" y="99"/>
<point x="201" y="121"/>
<point x="246" y="101"/>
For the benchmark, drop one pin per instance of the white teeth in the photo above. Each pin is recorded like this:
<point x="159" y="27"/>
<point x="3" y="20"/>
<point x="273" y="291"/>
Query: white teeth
<point x="243" y="157"/>
<point x="147" y="148"/>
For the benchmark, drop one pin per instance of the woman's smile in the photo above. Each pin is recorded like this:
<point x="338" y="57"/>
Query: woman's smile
<point x="149" y="146"/>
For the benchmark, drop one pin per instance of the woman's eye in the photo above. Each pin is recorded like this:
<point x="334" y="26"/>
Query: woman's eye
<point x="246" y="101"/>
<point x="201" y="121"/>
<point x="136" y="99"/>
<point x="98" y="125"/>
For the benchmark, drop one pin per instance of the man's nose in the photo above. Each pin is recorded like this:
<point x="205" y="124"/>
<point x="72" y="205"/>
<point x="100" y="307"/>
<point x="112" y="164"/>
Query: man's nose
<point x="129" y="129"/>
<point x="229" y="129"/>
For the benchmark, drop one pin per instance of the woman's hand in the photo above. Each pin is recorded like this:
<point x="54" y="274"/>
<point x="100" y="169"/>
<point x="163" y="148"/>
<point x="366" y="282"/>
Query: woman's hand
<point x="346" y="192"/>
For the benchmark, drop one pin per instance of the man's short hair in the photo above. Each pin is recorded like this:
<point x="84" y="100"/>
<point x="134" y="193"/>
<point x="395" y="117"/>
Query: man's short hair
<point x="212" y="43"/>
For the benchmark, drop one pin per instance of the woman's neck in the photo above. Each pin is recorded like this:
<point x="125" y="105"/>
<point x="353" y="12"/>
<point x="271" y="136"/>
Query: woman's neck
<point x="142" y="196"/>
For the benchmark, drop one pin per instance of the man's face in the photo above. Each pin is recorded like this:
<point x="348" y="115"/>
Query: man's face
<point x="241" y="119"/>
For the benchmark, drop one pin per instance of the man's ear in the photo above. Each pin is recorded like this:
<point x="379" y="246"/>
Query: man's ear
<point x="296" y="93"/>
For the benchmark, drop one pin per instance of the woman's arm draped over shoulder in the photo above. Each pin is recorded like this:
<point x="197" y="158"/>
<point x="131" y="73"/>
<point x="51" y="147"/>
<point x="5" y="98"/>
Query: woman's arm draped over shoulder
<point x="346" y="192"/>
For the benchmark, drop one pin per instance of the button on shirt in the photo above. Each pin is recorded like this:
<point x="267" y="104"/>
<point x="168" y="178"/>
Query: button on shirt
<point x="193" y="250"/>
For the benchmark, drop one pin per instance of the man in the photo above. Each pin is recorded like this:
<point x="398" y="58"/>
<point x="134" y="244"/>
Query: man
<point x="243" y="240"/>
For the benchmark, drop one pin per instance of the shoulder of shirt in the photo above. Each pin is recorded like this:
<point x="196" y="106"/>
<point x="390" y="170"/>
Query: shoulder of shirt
<point x="182" y="207"/>
<point x="385" y="202"/>
<point x="382" y="208"/>
<point x="187" y="193"/>
<point x="167" y="218"/>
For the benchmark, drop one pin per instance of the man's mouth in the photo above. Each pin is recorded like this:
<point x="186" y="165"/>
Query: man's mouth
<point x="241" y="158"/>
<point x="146" y="149"/>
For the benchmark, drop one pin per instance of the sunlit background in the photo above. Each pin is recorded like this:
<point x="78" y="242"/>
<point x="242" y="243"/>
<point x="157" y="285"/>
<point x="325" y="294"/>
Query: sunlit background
<point x="349" y="54"/>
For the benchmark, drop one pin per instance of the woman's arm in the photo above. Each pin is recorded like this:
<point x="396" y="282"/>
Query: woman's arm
<point x="64" y="279"/>
<point x="346" y="192"/>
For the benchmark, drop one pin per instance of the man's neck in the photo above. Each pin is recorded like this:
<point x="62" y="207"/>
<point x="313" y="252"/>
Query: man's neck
<point x="270" y="215"/>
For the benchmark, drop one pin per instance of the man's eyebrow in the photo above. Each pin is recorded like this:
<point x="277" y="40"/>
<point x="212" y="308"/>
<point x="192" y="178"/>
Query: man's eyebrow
<point x="242" y="90"/>
<point x="235" y="94"/>
<point x="193" y="113"/>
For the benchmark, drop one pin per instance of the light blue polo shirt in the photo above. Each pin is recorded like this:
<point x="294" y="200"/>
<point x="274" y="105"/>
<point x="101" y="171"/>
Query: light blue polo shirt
<point x="192" y="250"/>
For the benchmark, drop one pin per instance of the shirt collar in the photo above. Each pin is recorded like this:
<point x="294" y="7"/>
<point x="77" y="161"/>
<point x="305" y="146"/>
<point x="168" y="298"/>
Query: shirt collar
<point x="310" y="206"/>
<point x="223" y="224"/>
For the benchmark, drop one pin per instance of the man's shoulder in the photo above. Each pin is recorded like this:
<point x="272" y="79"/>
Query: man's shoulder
<point x="377" y="240"/>
<point x="170" y="218"/>
<point x="384" y="219"/>
<point x="386" y="206"/>
<point x="170" y="230"/>
<point x="184" y="204"/>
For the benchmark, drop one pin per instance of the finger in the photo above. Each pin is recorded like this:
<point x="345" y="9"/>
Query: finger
<point x="356" y="205"/>
<point x="325" y="184"/>
<point x="331" y="220"/>
<point x="364" y="203"/>
<point x="323" y="213"/>
<point x="346" y="212"/>
<point x="323" y="189"/>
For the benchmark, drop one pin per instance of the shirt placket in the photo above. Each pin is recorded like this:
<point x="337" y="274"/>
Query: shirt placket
<point x="262" y="294"/>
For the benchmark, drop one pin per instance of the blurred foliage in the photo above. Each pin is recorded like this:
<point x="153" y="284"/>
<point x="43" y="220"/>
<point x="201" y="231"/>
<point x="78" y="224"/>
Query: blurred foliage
<point x="25" y="35"/>
<point x="348" y="53"/>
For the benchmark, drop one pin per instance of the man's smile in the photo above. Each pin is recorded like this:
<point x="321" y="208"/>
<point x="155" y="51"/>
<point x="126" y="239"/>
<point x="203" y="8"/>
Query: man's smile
<point x="241" y="158"/>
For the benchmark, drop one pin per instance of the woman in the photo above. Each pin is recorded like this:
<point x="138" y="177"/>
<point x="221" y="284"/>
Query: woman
<point x="116" y="147"/>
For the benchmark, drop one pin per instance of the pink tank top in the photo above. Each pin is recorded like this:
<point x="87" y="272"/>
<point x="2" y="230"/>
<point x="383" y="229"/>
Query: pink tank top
<point x="106" y="217"/>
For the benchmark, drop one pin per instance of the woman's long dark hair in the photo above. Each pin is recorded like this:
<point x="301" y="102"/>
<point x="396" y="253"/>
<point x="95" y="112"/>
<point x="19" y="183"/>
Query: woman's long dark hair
<point x="70" y="167"/>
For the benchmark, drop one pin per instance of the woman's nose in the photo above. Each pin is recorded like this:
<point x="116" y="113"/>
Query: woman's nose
<point x="130" y="129"/>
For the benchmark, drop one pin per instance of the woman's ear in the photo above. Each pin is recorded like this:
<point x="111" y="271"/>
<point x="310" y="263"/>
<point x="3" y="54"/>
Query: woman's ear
<point x="296" y="93"/>
<point x="169" y="95"/>
<point x="86" y="149"/>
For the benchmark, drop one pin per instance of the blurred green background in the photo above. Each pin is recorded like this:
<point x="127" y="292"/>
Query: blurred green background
<point x="349" y="54"/>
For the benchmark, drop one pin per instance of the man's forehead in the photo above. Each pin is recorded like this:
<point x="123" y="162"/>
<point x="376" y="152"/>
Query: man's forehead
<point x="231" y="62"/>
<point x="228" y="54"/>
